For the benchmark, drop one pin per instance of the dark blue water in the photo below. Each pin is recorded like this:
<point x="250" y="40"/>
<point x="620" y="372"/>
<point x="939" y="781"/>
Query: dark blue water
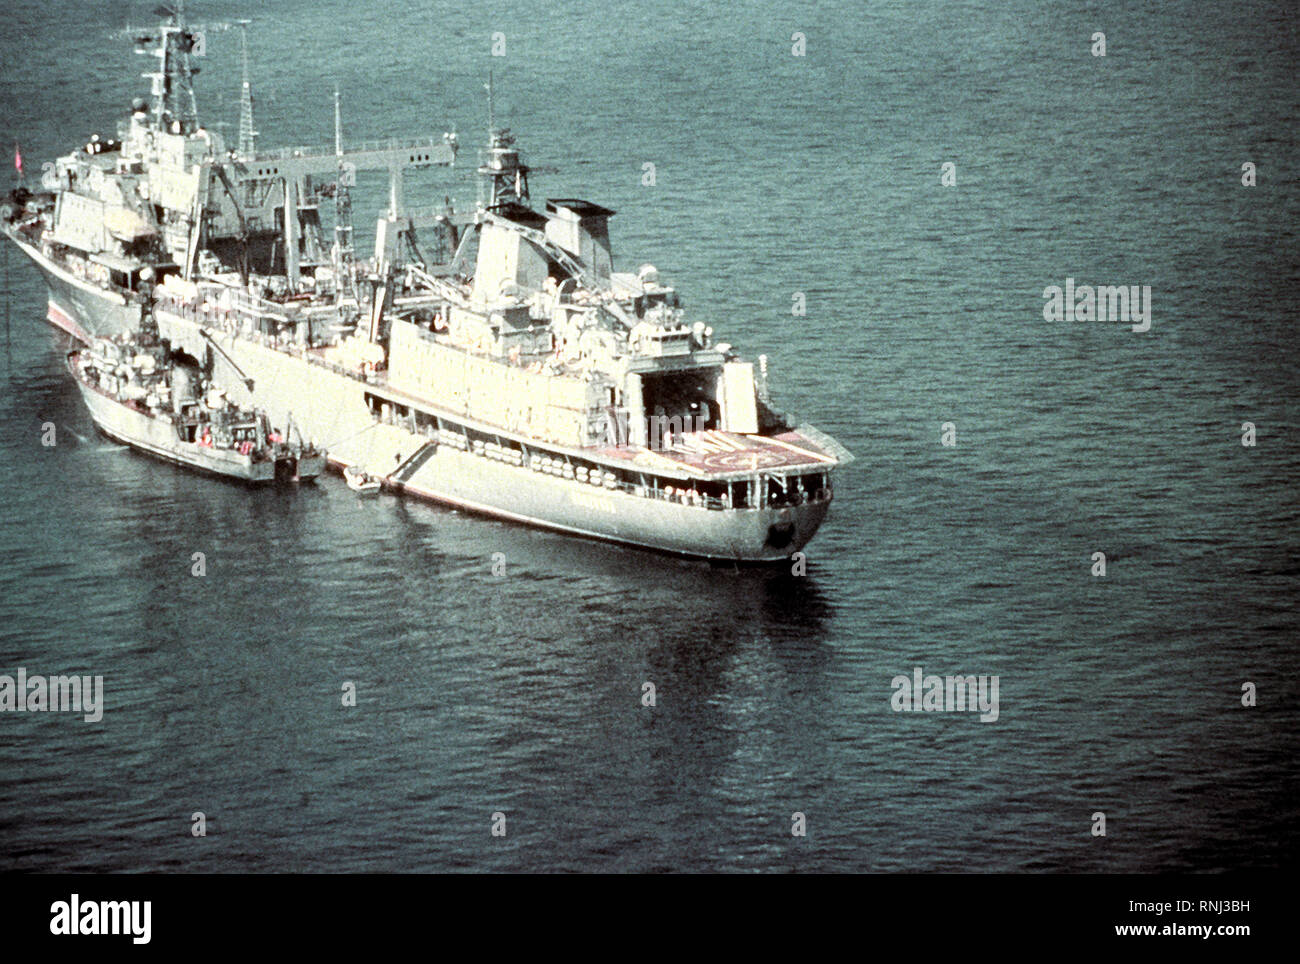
<point x="775" y="174"/>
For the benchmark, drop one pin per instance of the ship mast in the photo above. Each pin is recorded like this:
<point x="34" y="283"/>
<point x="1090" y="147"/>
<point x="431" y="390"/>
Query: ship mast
<point x="174" y="107"/>
<point x="247" y="135"/>
<point x="344" y="256"/>
<point x="500" y="168"/>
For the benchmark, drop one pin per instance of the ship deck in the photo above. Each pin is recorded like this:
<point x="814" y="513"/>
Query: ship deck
<point x="723" y="455"/>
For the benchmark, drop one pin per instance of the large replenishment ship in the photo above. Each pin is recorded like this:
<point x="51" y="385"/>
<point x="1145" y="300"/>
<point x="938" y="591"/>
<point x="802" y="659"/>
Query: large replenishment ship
<point x="492" y="359"/>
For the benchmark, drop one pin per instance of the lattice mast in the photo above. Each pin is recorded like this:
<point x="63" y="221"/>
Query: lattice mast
<point x="174" y="106"/>
<point x="247" y="133"/>
<point x="345" y="256"/>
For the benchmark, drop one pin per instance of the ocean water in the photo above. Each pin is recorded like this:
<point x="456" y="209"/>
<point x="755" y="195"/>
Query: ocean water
<point x="774" y="174"/>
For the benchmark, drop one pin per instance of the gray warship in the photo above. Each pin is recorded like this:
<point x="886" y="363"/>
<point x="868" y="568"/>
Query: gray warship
<point x="492" y="359"/>
<point x="166" y="195"/>
<point x="139" y="396"/>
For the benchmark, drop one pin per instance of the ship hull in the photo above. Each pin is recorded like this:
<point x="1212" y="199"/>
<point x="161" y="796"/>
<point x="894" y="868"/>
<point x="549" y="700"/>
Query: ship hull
<point x="331" y="410"/>
<point x="520" y="495"/>
<point x="157" y="438"/>
<point x="82" y="309"/>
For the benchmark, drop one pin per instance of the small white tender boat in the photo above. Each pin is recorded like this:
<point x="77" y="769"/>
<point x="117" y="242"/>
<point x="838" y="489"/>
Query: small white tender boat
<point x="361" y="481"/>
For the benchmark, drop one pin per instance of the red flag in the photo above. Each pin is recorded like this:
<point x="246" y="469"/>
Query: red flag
<point x="18" y="159"/>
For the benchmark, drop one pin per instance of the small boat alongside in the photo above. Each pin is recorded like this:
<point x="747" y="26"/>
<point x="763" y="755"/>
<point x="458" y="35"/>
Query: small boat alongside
<point x="361" y="481"/>
<point x="138" y="396"/>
